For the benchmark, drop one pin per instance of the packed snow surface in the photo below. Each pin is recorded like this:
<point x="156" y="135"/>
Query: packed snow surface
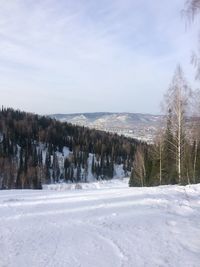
<point x="101" y="226"/>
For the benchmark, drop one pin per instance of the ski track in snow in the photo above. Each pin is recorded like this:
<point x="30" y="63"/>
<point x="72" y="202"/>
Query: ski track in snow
<point x="106" y="227"/>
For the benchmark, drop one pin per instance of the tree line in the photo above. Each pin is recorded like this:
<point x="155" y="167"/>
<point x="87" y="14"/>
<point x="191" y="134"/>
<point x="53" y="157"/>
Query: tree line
<point x="174" y="158"/>
<point x="32" y="151"/>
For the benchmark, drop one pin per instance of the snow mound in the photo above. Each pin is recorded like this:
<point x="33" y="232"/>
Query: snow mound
<point x="92" y="185"/>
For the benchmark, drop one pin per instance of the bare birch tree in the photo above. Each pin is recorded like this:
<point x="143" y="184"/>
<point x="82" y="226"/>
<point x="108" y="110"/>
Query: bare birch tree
<point x="139" y="169"/>
<point x="177" y="100"/>
<point x="192" y="9"/>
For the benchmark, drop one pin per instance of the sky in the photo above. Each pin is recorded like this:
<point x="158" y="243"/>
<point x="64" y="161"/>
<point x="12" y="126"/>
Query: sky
<point x="71" y="56"/>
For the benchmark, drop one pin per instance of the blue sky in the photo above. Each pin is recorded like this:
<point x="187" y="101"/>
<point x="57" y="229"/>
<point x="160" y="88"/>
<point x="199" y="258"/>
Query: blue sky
<point x="72" y="56"/>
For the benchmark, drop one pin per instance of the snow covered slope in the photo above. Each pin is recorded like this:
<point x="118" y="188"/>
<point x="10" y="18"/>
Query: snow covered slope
<point x="110" y="226"/>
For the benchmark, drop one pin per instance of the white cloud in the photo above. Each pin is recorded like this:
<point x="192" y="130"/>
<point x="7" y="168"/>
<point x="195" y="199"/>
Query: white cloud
<point x="91" y="55"/>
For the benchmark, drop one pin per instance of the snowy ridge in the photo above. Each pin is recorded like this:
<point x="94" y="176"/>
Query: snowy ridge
<point x="91" y="185"/>
<point x="113" y="226"/>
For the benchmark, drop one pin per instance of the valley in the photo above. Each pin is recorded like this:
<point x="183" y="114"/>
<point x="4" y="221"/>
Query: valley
<point x="135" y="125"/>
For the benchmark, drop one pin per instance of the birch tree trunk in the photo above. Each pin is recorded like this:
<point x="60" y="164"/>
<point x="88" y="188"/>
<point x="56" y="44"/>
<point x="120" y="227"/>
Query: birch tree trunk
<point x="195" y="161"/>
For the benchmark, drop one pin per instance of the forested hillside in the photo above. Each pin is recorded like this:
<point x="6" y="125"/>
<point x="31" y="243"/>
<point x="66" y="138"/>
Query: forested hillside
<point x="35" y="150"/>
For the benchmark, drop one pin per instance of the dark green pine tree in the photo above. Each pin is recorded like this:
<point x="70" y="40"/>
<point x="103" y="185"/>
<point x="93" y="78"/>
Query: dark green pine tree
<point x="47" y="167"/>
<point x="93" y="165"/>
<point x="20" y="170"/>
<point x="35" y="157"/>
<point x="132" y="180"/>
<point x="78" y="173"/>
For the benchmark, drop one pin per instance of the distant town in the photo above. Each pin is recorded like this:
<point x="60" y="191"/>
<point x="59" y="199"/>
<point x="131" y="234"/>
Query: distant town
<point x="135" y="125"/>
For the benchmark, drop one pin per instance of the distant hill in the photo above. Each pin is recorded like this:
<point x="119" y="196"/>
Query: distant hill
<point x="136" y="125"/>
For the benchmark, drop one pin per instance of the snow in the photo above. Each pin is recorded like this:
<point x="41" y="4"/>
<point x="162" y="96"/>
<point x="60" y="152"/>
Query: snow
<point x="1" y="137"/>
<point x="118" y="171"/>
<point x="123" y="118"/>
<point x="90" y="176"/>
<point x="66" y="152"/>
<point x="104" y="225"/>
<point x="91" y="185"/>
